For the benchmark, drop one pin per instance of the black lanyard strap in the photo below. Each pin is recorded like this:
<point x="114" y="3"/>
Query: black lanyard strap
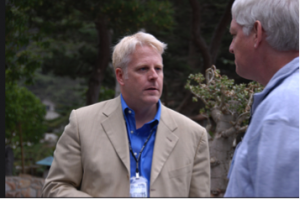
<point x="138" y="159"/>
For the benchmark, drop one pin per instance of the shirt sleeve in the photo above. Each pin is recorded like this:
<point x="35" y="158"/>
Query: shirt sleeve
<point x="65" y="173"/>
<point x="274" y="160"/>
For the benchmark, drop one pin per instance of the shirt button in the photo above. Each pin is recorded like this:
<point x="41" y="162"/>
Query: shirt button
<point x="135" y="154"/>
<point x="129" y="111"/>
<point x="131" y="131"/>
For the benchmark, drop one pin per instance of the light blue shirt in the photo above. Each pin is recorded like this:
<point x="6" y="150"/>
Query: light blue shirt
<point x="137" y="138"/>
<point x="267" y="161"/>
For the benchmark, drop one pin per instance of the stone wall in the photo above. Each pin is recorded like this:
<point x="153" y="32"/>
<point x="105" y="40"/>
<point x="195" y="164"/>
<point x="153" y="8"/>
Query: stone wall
<point x="23" y="186"/>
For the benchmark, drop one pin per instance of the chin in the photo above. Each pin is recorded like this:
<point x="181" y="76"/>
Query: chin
<point x="239" y="72"/>
<point x="244" y="75"/>
<point x="151" y="99"/>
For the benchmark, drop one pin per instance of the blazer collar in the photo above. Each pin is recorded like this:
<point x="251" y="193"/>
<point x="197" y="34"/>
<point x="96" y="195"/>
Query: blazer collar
<point x="115" y="128"/>
<point x="165" y="142"/>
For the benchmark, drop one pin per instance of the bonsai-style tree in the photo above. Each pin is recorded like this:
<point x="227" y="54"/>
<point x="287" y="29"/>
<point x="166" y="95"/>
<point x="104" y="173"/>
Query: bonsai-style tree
<point x="227" y="110"/>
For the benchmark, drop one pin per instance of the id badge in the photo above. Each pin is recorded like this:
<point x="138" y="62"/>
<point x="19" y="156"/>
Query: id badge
<point x="138" y="187"/>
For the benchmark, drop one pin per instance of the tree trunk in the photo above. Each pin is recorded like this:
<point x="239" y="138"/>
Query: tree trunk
<point x="220" y="147"/>
<point x="209" y="54"/>
<point x="21" y="145"/>
<point x="99" y="69"/>
<point x="221" y="151"/>
<point x="9" y="161"/>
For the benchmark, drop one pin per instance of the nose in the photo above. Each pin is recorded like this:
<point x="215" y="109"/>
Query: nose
<point x="231" y="48"/>
<point x="153" y="74"/>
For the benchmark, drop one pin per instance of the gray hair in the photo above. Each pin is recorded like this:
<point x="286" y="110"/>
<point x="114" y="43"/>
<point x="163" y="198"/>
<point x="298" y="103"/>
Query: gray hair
<point x="126" y="46"/>
<point x="279" y="18"/>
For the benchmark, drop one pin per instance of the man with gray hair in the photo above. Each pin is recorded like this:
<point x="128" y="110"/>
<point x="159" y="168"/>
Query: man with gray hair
<point x="131" y="146"/>
<point x="266" y="48"/>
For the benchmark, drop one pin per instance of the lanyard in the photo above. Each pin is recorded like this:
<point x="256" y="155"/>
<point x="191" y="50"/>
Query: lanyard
<point x="138" y="159"/>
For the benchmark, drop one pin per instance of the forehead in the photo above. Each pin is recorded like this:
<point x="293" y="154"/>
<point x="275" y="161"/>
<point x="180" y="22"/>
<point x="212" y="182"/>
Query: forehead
<point x="234" y="26"/>
<point x="145" y="53"/>
<point x="145" y="49"/>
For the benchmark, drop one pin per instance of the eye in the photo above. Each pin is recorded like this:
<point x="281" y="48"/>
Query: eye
<point x="142" y="69"/>
<point x="158" y="68"/>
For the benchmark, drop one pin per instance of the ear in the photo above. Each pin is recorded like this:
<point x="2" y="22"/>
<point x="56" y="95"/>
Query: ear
<point x="120" y="76"/>
<point x="257" y="34"/>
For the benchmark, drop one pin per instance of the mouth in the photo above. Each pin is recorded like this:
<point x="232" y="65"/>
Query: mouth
<point x="151" y="89"/>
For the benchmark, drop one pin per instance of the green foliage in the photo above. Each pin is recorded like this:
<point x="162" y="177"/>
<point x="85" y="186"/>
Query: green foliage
<point x="130" y="15"/>
<point x="33" y="153"/>
<point x="21" y="106"/>
<point x="65" y="92"/>
<point x="19" y="62"/>
<point x="106" y="94"/>
<point x="70" y="33"/>
<point x="24" y="108"/>
<point x="57" y="122"/>
<point x="221" y="92"/>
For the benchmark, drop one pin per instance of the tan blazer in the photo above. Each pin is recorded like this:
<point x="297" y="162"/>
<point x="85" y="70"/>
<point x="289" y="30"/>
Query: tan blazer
<point x="92" y="156"/>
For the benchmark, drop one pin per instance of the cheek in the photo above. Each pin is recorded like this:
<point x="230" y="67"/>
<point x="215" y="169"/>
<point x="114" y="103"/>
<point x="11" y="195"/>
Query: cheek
<point x="161" y="79"/>
<point x="161" y="75"/>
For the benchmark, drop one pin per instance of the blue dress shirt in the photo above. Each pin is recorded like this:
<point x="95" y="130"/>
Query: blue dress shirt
<point x="138" y="137"/>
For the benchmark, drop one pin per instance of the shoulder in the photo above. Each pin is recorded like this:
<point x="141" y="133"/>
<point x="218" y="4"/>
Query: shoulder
<point x="180" y="120"/>
<point x="100" y="106"/>
<point x="190" y="134"/>
<point x="286" y="93"/>
<point x="97" y="110"/>
<point x="290" y="84"/>
<point x="283" y="102"/>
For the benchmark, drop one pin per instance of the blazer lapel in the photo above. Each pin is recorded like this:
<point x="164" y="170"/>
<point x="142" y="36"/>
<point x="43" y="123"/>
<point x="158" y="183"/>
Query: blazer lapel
<point x="165" y="141"/>
<point x="115" y="128"/>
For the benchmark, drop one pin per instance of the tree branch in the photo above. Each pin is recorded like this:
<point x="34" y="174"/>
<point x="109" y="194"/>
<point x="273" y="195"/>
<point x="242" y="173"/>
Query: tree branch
<point x="219" y="32"/>
<point x="210" y="74"/>
<point x="97" y="75"/>
<point x="199" y="117"/>
<point x="184" y="102"/>
<point x="228" y="132"/>
<point x="198" y="39"/>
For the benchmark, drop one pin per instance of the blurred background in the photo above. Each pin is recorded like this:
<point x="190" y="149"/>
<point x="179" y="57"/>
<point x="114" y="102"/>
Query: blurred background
<point x="58" y="58"/>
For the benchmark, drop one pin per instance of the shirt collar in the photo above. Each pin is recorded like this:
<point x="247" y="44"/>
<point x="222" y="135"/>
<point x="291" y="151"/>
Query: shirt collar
<point x="125" y="107"/>
<point x="279" y="76"/>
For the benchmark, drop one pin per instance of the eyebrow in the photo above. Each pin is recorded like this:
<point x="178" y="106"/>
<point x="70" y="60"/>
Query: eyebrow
<point x="145" y="65"/>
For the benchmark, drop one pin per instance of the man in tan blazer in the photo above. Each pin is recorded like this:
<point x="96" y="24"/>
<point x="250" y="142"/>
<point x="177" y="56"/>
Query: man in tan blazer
<point x="94" y="155"/>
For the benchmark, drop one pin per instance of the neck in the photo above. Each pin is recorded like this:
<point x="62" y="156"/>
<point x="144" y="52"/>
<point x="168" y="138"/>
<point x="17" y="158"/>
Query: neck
<point x="272" y="62"/>
<point x="144" y="115"/>
<point x="143" y="112"/>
